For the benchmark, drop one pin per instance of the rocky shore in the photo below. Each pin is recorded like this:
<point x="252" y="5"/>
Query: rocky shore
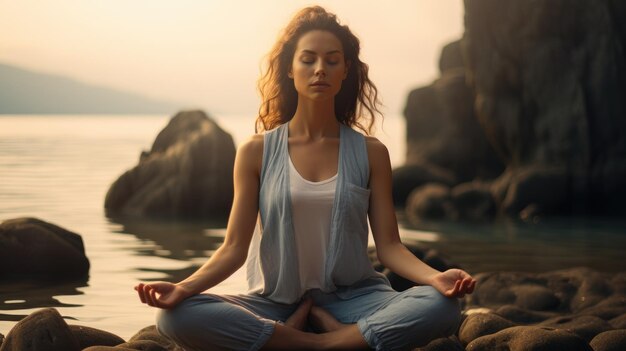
<point x="574" y="309"/>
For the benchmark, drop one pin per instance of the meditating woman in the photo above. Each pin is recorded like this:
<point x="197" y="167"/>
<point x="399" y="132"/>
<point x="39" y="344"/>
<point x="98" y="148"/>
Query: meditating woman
<point x="304" y="190"/>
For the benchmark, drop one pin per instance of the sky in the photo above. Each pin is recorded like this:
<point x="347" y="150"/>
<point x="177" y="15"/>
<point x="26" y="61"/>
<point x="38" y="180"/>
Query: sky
<point x="207" y="53"/>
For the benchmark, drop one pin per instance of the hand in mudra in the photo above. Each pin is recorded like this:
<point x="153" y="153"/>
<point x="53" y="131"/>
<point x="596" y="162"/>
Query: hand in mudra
<point x="454" y="283"/>
<point x="161" y="294"/>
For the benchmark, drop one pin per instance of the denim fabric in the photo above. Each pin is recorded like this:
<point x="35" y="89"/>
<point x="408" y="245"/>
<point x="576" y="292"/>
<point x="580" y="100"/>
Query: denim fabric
<point x="387" y="319"/>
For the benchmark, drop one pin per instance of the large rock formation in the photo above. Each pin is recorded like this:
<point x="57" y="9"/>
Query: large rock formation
<point x="32" y="248"/>
<point x="539" y="84"/>
<point x="187" y="173"/>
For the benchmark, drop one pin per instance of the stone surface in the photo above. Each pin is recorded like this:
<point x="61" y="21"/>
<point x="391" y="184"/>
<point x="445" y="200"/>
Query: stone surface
<point x="30" y="247"/>
<point x="87" y="336"/>
<point x="528" y="338"/>
<point x="530" y="99"/>
<point x="612" y="340"/>
<point x="187" y="173"/>
<point x="481" y="324"/>
<point x="443" y="344"/>
<point x="42" y="330"/>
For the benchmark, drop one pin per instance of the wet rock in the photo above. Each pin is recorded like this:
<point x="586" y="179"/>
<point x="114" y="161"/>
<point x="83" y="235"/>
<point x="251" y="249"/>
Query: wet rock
<point x="443" y="344"/>
<point x="481" y="324"/>
<point x="188" y="172"/>
<point x="143" y="345"/>
<point x="30" y="247"/>
<point x="42" y="330"/>
<point x="87" y="336"/>
<point x="430" y="201"/>
<point x="612" y="340"/>
<point x="150" y="333"/>
<point x="520" y="315"/>
<point x="473" y="201"/>
<point x="587" y="327"/>
<point x="529" y="338"/>
<point x="409" y="177"/>
<point x="619" y="322"/>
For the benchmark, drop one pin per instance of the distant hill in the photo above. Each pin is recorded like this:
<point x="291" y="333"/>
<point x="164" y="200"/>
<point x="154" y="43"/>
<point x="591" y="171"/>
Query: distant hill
<point x="27" y="92"/>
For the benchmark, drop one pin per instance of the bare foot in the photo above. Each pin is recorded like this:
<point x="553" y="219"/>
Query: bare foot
<point x="323" y="321"/>
<point x="299" y="317"/>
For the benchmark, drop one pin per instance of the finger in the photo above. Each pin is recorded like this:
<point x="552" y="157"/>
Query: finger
<point x="154" y="298"/>
<point x="454" y="290"/>
<point x="472" y="286"/>
<point x="148" y="295"/>
<point x="465" y="285"/>
<point x="140" y="292"/>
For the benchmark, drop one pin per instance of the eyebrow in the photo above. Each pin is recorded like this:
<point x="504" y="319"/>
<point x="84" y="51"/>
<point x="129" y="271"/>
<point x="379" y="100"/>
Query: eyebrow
<point x="315" y="53"/>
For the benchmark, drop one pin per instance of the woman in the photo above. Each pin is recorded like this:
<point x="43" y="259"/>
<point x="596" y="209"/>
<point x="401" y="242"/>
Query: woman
<point x="309" y="183"/>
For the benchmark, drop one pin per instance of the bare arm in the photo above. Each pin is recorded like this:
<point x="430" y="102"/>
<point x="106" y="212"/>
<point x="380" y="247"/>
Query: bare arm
<point x="232" y="253"/>
<point x="391" y="252"/>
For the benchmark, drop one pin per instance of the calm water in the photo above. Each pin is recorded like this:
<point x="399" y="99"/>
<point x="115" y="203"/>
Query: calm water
<point x="58" y="168"/>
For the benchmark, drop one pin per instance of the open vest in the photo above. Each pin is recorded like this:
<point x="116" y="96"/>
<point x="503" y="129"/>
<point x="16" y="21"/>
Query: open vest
<point x="272" y="265"/>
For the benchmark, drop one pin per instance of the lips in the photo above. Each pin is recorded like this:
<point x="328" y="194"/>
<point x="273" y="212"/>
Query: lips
<point x="319" y="84"/>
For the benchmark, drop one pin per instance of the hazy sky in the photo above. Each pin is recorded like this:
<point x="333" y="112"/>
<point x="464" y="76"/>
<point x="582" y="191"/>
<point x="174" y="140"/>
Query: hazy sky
<point x="207" y="53"/>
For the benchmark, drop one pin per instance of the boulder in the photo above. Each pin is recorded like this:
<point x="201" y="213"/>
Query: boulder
<point x="528" y="338"/>
<point x="443" y="344"/>
<point x="30" y="247"/>
<point x="612" y="340"/>
<point x="87" y="336"/>
<point x="481" y="324"/>
<point x="549" y="79"/>
<point x="187" y="173"/>
<point x="42" y="330"/>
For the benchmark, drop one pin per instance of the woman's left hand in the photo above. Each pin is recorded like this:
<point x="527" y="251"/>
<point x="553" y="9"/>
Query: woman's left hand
<point x="454" y="283"/>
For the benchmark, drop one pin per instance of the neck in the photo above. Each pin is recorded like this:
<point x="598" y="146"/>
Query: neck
<point x="314" y="120"/>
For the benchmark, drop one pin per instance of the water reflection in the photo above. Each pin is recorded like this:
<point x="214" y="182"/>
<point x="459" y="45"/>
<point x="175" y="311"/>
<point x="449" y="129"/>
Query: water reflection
<point x="550" y="244"/>
<point x="190" y="241"/>
<point x="29" y="294"/>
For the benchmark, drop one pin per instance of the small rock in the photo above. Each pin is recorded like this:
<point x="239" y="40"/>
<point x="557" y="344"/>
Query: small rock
<point x="612" y="340"/>
<point x="529" y="339"/>
<point x="481" y="324"/>
<point x="587" y="327"/>
<point x="42" y="330"/>
<point x="88" y="336"/>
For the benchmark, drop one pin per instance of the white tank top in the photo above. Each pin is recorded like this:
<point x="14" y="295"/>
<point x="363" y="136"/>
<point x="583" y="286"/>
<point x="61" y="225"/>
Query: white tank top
<point x="312" y="204"/>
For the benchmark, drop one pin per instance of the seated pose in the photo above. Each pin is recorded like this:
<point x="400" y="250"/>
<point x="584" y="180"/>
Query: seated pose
<point x="304" y="189"/>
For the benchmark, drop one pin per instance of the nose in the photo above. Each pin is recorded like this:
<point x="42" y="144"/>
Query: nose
<point x="319" y="69"/>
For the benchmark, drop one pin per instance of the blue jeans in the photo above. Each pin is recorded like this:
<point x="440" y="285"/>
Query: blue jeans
<point x="387" y="319"/>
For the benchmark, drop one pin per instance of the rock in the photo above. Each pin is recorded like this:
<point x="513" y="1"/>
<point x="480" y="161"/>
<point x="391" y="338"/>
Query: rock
<point x="88" y="336"/>
<point x="549" y="91"/>
<point x="587" y="327"/>
<point x="42" y="330"/>
<point x="473" y="201"/>
<point x="188" y="172"/>
<point x="612" y="340"/>
<point x="430" y="201"/>
<point x="150" y="333"/>
<point x="30" y="247"/>
<point x="143" y="345"/>
<point x="443" y="130"/>
<point x="528" y="338"/>
<point x="409" y="177"/>
<point x="451" y="57"/>
<point x="443" y="344"/>
<point x="520" y="315"/>
<point x="481" y="324"/>
<point x="619" y="322"/>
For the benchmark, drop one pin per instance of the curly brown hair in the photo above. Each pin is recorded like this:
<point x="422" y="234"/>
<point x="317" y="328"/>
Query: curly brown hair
<point x="279" y="97"/>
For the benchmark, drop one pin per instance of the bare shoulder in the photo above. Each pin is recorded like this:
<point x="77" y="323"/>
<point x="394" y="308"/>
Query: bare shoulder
<point x="250" y="152"/>
<point x="377" y="152"/>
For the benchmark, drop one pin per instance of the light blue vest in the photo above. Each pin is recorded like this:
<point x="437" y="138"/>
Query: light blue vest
<point x="347" y="264"/>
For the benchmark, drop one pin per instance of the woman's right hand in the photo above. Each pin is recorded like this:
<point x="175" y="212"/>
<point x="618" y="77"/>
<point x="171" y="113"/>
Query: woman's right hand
<point x="161" y="294"/>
